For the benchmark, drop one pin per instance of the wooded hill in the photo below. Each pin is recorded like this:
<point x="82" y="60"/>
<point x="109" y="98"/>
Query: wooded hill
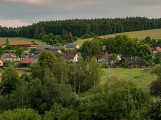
<point x="79" y="27"/>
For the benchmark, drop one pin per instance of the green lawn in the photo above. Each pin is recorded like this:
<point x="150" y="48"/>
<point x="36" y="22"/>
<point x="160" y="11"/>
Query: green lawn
<point x="13" y="40"/>
<point x="154" y="34"/>
<point x="137" y="75"/>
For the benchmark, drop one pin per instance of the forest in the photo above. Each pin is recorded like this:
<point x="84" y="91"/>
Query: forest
<point x="69" y="30"/>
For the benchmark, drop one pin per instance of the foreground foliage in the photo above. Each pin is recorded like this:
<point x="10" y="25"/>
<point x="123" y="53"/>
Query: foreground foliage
<point x="20" y="114"/>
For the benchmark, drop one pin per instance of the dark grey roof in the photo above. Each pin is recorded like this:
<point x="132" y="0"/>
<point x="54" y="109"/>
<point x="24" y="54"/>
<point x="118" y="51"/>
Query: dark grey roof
<point x="52" y="50"/>
<point x="29" y="56"/>
<point x="44" y="46"/>
<point x="24" y="56"/>
<point x="58" y="47"/>
<point x="70" y="45"/>
<point x="37" y="51"/>
<point x="137" y="60"/>
<point x="34" y="61"/>
<point x="6" y="55"/>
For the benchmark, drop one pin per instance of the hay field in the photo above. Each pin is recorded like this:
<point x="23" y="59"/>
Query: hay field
<point x="13" y="40"/>
<point x="154" y="34"/>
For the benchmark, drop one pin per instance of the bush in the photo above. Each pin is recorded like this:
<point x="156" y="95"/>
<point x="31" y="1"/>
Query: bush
<point x="6" y="64"/>
<point x="155" y="88"/>
<point x="20" y="114"/>
<point x="86" y="36"/>
<point x="147" y="64"/>
<point x="152" y="111"/>
<point x="57" y="112"/>
<point x="125" y="65"/>
<point x="19" y="65"/>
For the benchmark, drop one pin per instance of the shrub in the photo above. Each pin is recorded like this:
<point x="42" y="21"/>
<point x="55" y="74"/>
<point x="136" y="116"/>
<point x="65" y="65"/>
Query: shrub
<point x="147" y="64"/>
<point x="57" y="112"/>
<point x="20" y="114"/>
<point x="155" y="88"/>
<point x="19" y="65"/>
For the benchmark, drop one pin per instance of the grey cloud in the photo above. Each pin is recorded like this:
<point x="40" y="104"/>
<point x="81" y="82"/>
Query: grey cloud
<point x="81" y="9"/>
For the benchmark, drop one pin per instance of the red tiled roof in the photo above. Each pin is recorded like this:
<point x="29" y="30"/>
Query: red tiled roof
<point x="27" y="60"/>
<point x="1" y="44"/>
<point x="23" y="43"/>
<point x="106" y="56"/>
<point x="156" y="48"/>
<point x="69" y="55"/>
<point x="103" y="48"/>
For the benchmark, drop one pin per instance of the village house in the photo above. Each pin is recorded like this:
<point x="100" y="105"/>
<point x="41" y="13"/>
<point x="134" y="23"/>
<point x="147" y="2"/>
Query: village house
<point x="155" y="49"/>
<point x="26" y="61"/>
<point x="38" y="51"/>
<point x="2" y="45"/>
<point x="103" y="49"/>
<point x="71" y="46"/>
<point x="44" y="47"/>
<point x="9" y="57"/>
<point x="104" y="59"/>
<point x="58" y="47"/>
<point x="72" y="57"/>
<point x="25" y="45"/>
<point x="136" y="60"/>
<point x="1" y="63"/>
<point x="29" y="56"/>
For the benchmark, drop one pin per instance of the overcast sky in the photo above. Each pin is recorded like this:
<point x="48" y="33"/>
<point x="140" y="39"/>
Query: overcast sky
<point x="15" y="13"/>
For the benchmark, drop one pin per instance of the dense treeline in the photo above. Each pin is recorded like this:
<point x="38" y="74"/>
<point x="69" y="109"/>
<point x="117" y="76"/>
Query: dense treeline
<point x="121" y="44"/>
<point x="79" y="27"/>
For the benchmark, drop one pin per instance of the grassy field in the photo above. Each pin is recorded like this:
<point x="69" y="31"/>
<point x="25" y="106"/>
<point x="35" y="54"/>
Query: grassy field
<point x="139" y="76"/>
<point x="154" y="34"/>
<point x="13" y="40"/>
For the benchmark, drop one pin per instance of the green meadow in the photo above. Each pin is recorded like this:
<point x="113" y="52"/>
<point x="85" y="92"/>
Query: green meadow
<point x="139" y="76"/>
<point x="13" y="40"/>
<point x="154" y="34"/>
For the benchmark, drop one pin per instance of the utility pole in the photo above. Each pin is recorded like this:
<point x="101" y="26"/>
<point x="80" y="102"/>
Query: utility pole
<point x="109" y="72"/>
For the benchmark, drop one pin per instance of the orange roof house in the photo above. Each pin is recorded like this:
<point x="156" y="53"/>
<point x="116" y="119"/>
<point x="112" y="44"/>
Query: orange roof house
<point x="1" y="63"/>
<point x="2" y="45"/>
<point x="71" y="56"/>
<point x="103" y="48"/>
<point x="25" y="45"/>
<point x="26" y="61"/>
<point x="104" y="59"/>
<point x="155" y="49"/>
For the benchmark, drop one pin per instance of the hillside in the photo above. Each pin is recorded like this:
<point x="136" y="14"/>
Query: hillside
<point x="139" y="76"/>
<point x="154" y="34"/>
<point x="13" y="40"/>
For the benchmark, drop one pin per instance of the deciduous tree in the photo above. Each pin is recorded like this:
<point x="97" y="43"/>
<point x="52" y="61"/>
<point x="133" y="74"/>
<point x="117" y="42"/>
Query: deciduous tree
<point x="9" y="79"/>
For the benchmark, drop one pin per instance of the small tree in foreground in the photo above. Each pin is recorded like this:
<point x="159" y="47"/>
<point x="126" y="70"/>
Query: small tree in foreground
<point x="20" y="114"/>
<point x="9" y="79"/>
<point x="57" y="112"/>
